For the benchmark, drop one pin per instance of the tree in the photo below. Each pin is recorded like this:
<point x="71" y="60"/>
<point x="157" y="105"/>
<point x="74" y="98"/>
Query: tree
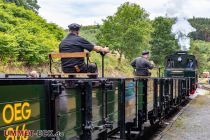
<point x="8" y="47"/>
<point x="202" y="26"/>
<point x="28" y="4"/>
<point x="25" y="37"/>
<point x="201" y="50"/>
<point x="127" y="32"/>
<point x="162" y="43"/>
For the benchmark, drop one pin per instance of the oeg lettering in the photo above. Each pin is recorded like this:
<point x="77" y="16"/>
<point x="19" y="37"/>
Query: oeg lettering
<point x="14" y="113"/>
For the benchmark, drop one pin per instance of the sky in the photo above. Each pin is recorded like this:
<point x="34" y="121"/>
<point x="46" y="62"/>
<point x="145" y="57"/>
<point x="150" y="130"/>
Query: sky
<point x="90" y="12"/>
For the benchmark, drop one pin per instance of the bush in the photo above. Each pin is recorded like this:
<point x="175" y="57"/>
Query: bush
<point x="25" y="36"/>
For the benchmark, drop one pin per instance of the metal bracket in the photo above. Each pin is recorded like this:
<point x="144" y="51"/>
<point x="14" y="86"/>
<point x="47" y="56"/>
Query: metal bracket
<point x="56" y="89"/>
<point x="106" y="125"/>
<point x="109" y="125"/>
<point x="86" y="104"/>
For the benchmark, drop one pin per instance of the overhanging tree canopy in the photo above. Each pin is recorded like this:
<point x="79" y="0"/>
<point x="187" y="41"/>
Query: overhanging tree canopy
<point x="26" y="37"/>
<point x="28" y="4"/>
<point x="127" y="31"/>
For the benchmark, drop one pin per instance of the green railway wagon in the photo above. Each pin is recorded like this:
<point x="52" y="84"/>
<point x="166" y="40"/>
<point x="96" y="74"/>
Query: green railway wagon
<point x="92" y="109"/>
<point x="103" y="108"/>
<point x="87" y="106"/>
<point x="78" y="108"/>
<point x="24" y="105"/>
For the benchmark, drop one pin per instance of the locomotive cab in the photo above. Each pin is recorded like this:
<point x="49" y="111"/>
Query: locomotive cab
<point x="180" y="64"/>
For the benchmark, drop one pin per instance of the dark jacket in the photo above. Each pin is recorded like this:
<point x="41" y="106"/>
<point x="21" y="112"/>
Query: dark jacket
<point x="73" y="43"/>
<point x="141" y="66"/>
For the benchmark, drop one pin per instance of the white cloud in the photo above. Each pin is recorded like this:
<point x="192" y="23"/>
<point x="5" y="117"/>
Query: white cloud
<point x="87" y="12"/>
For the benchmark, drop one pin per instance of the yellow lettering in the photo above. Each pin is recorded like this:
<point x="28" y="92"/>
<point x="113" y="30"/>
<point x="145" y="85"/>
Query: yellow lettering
<point x="26" y="115"/>
<point x="17" y="111"/>
<point x="8" y="108"/>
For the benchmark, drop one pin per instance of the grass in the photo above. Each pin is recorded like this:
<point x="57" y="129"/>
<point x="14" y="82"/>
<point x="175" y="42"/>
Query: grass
<point x="203" y="80"/>
<point x="20" y="69"/>
<point x="179" y="123"/>
<point x="112" y="68"/>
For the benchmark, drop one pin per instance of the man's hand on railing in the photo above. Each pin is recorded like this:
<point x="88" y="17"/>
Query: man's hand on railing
<point x="100" y="49"/>
<point x="105" y="50"/>
<point x="158" y="67"/>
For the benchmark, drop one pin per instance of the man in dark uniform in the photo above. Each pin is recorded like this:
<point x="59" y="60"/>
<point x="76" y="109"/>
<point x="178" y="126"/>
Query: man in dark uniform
<point x="190" y="63"/>
<point x="74" y="43"/>
<point x="141" y="65"/>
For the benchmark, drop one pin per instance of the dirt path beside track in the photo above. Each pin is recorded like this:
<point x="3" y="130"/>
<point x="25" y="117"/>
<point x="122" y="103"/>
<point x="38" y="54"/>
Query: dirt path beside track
<point x="192" y="123"/>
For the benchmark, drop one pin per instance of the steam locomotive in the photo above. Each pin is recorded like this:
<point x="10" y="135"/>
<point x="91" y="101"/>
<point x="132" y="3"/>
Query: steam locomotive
<point x="62" y="108"/>
<point x="182" y="64"/>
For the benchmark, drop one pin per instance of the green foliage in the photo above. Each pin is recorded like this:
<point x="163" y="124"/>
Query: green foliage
<point x="201" y="50"/>
<point x="28" y="4"/>
<point x="202" y="26"/>
<point x="89" y="33"/>
<point x="8" y="47"/>
<point x="112" y="68"/>
<point x="26" y="37"/>
<point x="127" y="31"/>
<point x="162" y="43"/>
